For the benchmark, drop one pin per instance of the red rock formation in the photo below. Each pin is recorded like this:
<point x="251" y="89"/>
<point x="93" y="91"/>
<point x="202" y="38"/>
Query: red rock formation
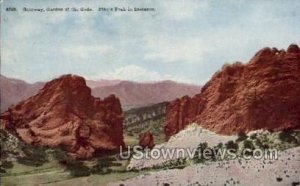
<point x="146" y="140"/>
<point x="262" y="94"/>
<point x="64" y="114"/>
<point x="131" y="94"/>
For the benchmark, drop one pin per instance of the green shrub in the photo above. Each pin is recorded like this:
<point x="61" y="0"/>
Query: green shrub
<point x="77" y="169"/>
<point x="253" y="136"/>
<point x="104" y="165"/>
<point x="2" y="170"/>
<point x="61" y="156"/>
<point x="6" y="164"/>
<point x="198" y="158"/>
<point x="33" y="156"/>
<point x="258" y="143"/>
<point x="241" y="137"/>
<point x="248" y="144"/>
<point x="130" y="133"/>
<point x="286" y="136"/>
<point x="220" y="145"/>
<point x="232" y="145"/>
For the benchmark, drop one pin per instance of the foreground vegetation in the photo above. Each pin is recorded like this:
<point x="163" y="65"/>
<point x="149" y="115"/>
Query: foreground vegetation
<point x="263" y="140"/>
<point x="22" y="163"/>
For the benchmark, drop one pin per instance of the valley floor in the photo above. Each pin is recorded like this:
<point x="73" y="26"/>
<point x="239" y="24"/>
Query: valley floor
<point x="58" y="176"/>
<point x="283" y="171"/>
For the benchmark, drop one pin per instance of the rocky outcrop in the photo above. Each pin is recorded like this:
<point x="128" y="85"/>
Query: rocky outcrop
<point x="64" y="114"/>
<point x="146" y="140"/>
<point x="262" y="94"/>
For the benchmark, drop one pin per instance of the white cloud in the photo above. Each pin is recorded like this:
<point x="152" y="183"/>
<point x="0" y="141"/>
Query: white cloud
<point x="26" y="29"/>
<point x="137" y="73"/>
<point x="28" y="26"/>
<point x="168" y="49"/>
<point x="84" y="51"/>
<point x="8" y="55"/>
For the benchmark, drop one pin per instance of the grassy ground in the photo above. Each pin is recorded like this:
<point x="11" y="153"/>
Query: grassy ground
<point x="131" y="134"/>
<point x="26" y="175"/>
<point x="95" y="179"/>
<point x="53" y="173"/>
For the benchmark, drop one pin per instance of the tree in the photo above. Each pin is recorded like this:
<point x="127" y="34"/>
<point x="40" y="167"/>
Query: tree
<point x="253" y="136"/>
<point x="232" y="145"/>
<point x="198" y="155"/>
<point x="220" y="145"/>
<point x="249" y="145"/>
<point x="286" y="136"/>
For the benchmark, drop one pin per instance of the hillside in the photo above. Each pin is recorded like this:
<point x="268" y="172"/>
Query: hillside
<point x="13" y="91"/>
<point x="145" y="119"/>
<point x="284" y="171"/>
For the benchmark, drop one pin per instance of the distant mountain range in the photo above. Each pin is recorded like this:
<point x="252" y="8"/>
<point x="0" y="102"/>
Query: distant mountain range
<point x="131" y="94"/>
<point x="13" y="91"/>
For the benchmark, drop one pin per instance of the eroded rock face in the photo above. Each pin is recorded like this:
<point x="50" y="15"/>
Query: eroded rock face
<point x="262" y="94"/>
<point x="146" y="140"/>
<point x="64" y="114"/>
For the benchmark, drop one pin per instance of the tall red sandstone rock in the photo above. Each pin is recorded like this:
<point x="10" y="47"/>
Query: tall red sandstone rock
<point x="262" y="94"/>
<point x="64" y="114"/>
<point x="146" y="140"/>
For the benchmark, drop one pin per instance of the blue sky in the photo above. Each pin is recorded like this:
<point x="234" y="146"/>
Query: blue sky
<point x="183" y="40"/>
